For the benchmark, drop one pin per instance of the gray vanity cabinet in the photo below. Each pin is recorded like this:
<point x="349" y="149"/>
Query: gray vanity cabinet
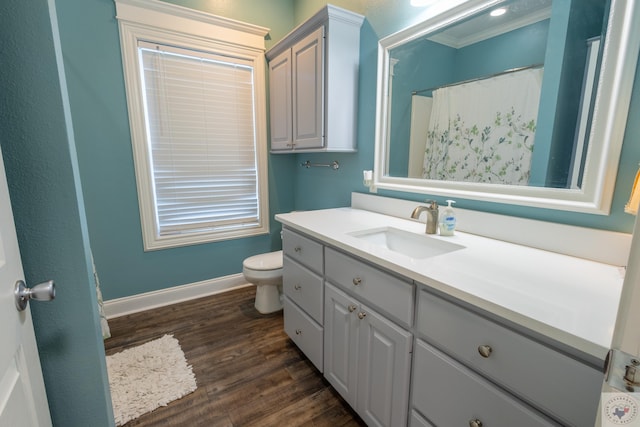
<point x="451" y="365"/>
<point x="367" y="359"/>
<point x="303" y="290"/>
<point x="368" y="350"/>
<point x="341" y="342"/>
<point x="451" y="395"/>
<point x="461" y="354"/>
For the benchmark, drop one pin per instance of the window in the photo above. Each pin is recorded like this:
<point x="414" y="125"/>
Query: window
<point x="197" y="113"/>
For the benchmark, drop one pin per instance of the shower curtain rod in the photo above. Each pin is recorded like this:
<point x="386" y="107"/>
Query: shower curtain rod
<point x="512" y="70"/>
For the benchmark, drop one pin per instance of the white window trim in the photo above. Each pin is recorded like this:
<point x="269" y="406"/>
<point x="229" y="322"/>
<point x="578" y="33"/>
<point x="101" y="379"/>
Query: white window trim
<point x="156" y="21"/>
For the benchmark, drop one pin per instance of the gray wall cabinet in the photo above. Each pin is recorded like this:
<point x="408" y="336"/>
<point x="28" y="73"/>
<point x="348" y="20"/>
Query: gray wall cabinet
<point x="313" y="84"/>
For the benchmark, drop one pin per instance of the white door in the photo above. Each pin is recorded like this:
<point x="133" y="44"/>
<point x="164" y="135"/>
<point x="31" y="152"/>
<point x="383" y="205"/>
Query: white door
<point x="626" y="338"/>
<point x="23" y="401"/>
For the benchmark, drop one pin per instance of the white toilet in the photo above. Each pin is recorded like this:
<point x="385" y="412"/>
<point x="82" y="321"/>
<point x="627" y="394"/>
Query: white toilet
<point x="265" y="271"/>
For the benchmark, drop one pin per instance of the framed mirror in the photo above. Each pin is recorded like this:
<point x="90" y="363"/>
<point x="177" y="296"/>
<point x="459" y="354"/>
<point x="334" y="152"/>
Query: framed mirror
<point x="511" y="101"/>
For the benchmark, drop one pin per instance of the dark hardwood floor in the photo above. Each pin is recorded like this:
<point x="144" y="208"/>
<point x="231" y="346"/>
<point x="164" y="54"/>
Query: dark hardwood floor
<point x="249" y="373"/>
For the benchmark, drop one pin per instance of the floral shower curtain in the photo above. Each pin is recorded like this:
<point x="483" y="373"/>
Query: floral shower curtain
<point x="483" y="131"/>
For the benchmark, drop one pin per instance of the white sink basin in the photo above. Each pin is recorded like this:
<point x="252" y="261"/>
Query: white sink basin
<point x="407" y="243"/>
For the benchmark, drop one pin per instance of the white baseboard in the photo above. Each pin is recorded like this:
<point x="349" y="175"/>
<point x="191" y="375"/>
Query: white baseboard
<point x="133" y="304"/>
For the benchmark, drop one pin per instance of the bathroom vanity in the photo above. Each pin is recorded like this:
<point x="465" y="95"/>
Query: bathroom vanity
<point x="434" y="331"/>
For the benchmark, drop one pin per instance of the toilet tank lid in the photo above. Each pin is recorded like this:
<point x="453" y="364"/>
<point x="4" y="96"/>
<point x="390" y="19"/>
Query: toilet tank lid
<point x="268" y="261"/>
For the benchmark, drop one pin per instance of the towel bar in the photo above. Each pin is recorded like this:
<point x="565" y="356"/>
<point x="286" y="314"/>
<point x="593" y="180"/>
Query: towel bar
<point x="333" y="165"/>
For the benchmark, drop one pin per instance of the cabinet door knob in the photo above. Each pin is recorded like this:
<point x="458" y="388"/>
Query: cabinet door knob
<point x="357" y="281"/>
<point x="475" y="423"/>
<point x="485" y="350"/>
<point x="362" y="315"/>
<point x="297" y="249"/>
<point x="298" y="332"/>
<point x="352" y="308"/>
<point x="297" y="287"/>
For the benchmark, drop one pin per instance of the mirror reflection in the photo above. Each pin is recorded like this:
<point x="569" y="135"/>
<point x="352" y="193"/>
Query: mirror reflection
<point x="496" y="98"/>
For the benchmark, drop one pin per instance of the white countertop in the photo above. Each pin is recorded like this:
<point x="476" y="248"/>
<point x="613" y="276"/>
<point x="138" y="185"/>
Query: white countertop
<point x="571" y="300"/>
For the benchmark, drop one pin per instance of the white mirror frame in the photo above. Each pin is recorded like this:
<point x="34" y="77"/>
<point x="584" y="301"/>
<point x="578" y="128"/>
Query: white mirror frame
<point x="622" y="45"/>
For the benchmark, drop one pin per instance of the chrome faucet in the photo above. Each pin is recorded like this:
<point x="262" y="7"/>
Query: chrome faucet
<point x="432" y="215"/>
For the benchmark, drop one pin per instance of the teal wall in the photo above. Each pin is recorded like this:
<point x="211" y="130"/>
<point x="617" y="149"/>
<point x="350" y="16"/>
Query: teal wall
<point x="98" y="105"/>
<point x="518" y="48"/>
<point x="585" y="22"/>
<point x="573" y="22"/>
<point x="42" y="172"/>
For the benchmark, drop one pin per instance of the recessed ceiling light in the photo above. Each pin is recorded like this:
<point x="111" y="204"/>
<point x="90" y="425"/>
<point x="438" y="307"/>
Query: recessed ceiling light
<point x="422" y="3"/>
<point x="498" y="12"/>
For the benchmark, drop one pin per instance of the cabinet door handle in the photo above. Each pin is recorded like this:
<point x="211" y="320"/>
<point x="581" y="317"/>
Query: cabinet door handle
<point x="298" y="249"/>
<point x="298" y="332"/>
<point x="362" y="315"/>
<point x="485" y="350"/>
<point x="297" y="287"/>
<point x="357" y="281"/>
<point x="352" y="308"/>
<point x="475" y="423"/>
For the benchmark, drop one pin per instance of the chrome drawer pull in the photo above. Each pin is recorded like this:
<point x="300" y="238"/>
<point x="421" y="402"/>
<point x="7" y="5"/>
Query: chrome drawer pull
<point x="475" y="423"/>
<point x="357" y="281"/>
<point x="352" y="308"/>
<point x="298" y="332"/>
<point x="362" y="315"/>
<point x="297" y="287"/>
<point x="485" y="350"/>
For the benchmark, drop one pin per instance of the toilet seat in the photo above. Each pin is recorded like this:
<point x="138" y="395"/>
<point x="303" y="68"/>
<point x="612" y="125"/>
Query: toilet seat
<point x="264" y="262"/>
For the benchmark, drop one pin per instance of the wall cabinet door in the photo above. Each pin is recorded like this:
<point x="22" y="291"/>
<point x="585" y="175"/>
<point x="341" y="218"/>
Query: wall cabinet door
<point x="307" y="57"/>
<point x="367" y="359"/>
<point x="280" y="101"/>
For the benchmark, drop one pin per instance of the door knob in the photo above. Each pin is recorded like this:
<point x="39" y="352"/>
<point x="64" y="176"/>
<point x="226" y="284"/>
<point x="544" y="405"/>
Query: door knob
<point x="45" y="291"/>
<point x="485" y="350"/>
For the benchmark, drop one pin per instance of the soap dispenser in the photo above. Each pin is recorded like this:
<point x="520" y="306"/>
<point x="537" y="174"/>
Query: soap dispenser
<point x="447" y="220"/>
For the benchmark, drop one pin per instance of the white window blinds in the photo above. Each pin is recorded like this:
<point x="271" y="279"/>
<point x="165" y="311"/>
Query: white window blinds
<point x="200" y="127"/>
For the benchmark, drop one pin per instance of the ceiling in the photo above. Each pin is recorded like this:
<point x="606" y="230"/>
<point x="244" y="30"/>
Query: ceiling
<point x="520" y="13"/>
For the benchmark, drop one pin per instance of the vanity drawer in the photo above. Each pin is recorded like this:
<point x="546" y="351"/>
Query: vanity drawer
<point x="304" y="332"/>
<point x="303" y="250"/>
<point x="417" y="421"/>
<point x="452" y="395"/>
<point x="304" y="287"/>
<point x="389" y="293"/>
<point x="561" y="386"/>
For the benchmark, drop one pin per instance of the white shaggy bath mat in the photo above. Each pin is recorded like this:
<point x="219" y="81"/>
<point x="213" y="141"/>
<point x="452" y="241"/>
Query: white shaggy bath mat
<point x="148" y="376"/>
